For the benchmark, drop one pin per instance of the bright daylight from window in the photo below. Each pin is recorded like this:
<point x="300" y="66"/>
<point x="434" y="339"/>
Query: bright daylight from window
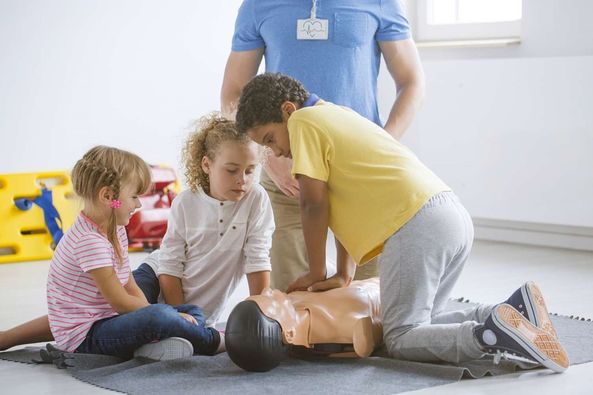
<point x="444" y="12"/>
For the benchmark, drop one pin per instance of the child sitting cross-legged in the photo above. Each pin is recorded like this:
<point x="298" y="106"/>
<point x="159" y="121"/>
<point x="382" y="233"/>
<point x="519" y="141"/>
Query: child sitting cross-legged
<point x="219" y="230"/>
<point x="94" y="303"/>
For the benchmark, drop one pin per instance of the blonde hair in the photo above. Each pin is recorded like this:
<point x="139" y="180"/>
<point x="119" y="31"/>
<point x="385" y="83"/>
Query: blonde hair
<point x="208" y="135"/>
<point x="109" y="167"/>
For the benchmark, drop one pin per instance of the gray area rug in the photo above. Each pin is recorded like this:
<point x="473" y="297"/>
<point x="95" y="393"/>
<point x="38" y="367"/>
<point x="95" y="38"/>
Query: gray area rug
<point x="377" y="374"/>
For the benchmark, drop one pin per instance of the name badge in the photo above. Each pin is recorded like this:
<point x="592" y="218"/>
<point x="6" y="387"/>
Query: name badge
<point x="312" y="29"/>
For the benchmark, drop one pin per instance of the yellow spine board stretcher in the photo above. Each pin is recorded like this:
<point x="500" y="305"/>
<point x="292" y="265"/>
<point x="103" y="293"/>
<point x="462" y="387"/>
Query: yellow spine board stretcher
<point x="23" y="234"/>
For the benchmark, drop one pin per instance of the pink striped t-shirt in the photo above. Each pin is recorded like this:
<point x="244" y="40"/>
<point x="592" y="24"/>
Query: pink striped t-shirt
<point x="73" y="300"/>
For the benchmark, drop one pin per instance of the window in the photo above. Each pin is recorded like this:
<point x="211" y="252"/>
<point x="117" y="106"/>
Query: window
<point x="447" y="20"/>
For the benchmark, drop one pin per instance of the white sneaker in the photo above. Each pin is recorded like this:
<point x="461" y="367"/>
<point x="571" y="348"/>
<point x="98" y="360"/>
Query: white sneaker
<point x="166" y="349"/>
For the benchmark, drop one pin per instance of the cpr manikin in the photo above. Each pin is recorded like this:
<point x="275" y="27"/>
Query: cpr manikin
<point x="262" y="329"/>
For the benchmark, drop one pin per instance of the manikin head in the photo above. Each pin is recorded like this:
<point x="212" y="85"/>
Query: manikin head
<point x="259" y="330"/>
<point x="253" y="340"/>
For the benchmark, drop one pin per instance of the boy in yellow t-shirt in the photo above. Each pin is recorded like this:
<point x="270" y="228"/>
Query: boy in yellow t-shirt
<point x="378" y="198"/>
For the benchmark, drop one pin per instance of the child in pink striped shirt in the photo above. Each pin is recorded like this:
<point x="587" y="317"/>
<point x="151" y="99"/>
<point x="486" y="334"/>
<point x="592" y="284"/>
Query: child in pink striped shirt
<point x="94" y="303"/>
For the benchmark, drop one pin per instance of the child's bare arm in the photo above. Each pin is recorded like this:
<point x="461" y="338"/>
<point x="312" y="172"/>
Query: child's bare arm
<point x="344" y="264"/>
<point x="314" y="216"/>
<point x="345" y="271"/>
<point x="133" y="289"/>
<point x="258" y="281"/>
<point x="116" y="295"/>
<point x="171" y="289"/>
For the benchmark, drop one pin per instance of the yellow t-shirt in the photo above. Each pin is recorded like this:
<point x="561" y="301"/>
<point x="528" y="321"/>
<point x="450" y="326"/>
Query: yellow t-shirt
<point x="375" y="184"/>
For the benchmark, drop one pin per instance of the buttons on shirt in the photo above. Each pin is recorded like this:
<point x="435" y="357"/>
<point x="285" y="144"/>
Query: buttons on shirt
<point x="220" y="221"/>
<point x="222" y="233"/>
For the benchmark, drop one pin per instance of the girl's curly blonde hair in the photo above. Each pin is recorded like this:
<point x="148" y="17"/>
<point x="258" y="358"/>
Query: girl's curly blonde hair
<point x="209" y="132"/>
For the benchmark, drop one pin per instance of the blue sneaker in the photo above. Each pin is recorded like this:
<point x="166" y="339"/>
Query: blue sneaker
<point x="508" y="333"/>
<point x="529" y="301"/>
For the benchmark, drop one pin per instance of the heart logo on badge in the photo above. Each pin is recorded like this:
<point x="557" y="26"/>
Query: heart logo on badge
<point x="312" y="28"/>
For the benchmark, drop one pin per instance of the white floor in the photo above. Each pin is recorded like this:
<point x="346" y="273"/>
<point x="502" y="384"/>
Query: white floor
<point x="493" y="272"/>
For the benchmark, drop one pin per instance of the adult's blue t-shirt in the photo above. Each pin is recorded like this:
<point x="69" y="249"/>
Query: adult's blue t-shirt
<point x="342" y="69"/>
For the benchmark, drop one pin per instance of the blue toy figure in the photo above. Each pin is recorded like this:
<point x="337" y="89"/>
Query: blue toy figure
<point x="53" y="222"/>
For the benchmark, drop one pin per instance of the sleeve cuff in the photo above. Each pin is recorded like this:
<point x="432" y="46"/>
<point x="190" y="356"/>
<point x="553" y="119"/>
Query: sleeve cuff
<point x="170" y="272"/>
<point x="241" y="47"/>
<point x="259" y="266"/>
<point x="393" y="36"/>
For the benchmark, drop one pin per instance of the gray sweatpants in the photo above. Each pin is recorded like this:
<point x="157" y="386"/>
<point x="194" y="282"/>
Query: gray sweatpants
<point x="418" y="268"/>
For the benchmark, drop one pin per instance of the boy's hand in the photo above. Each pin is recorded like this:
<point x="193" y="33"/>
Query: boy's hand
<point x="303" y="283"/>
<point x="189" y="318"/>
<point x="336" y="281"/>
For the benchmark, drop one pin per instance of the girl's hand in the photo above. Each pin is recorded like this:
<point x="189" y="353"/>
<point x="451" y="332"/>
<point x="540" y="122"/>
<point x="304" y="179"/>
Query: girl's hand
<point x="189" y="318"/>
<point x="303" y="283"/>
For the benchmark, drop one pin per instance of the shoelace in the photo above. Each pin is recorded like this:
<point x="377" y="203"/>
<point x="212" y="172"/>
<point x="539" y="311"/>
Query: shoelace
<point x="500" y="355"/>
<point x="509" y="356"/>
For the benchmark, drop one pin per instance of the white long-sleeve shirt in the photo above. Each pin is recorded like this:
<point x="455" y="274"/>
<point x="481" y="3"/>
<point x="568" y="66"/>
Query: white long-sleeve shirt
<point x="210" y="244"/>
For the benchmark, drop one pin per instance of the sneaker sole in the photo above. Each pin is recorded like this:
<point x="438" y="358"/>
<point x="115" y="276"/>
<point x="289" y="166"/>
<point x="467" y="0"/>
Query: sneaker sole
<point x="166" y="349"/>
<point x="536" y="307"/>
<point x="541" y="345"/>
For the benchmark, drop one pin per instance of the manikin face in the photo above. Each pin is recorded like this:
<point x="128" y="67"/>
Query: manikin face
<point x="232" y="170"/>
<point x="274" y="135"/>
<point x="278" y="306"/>
<point x="130" y="202"/>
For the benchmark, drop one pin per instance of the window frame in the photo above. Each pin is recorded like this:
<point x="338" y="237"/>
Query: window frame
<point x="461" y="31"/>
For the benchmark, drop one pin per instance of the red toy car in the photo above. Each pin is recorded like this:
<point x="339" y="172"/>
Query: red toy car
<point x="148" y="225"/>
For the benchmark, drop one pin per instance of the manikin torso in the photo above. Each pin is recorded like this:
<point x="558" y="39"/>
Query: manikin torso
<point x="348" y="315"/>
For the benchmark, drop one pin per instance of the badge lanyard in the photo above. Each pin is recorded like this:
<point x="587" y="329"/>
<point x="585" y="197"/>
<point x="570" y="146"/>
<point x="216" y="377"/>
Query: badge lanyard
<point x="312" y="28"/>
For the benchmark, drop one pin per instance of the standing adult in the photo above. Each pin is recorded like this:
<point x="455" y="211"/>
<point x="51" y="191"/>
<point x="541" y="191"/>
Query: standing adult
<point x="334" y="48"/>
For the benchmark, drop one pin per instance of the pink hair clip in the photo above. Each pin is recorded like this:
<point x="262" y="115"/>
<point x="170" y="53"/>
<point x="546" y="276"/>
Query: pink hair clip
<point x="115" y="203"/>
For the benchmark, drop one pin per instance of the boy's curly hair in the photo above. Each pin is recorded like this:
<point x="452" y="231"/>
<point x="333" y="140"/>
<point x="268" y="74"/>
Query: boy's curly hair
<point x="209" y="132"/>
<point x="262" y="97"/>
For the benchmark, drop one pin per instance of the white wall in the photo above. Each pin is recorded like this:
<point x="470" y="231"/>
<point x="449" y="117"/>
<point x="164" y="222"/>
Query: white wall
<point x="511" y="128"/>
<point x="128" y="73"/>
